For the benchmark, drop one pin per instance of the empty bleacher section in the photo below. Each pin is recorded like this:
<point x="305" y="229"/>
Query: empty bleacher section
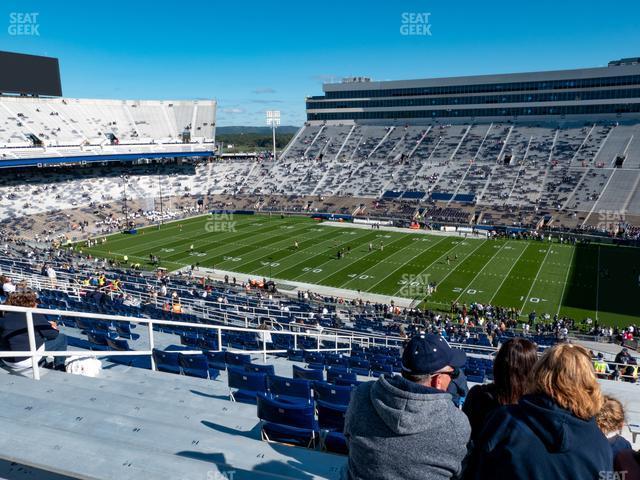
<point x="512" y="173"/>
<point x="559" y="168"/>
<point x="61" y="129"/>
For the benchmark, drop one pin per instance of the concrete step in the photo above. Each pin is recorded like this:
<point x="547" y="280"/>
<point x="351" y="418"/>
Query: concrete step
<point x="147" y="420"/>
<point x="55" y="453"/>
<point x="137" y="402"/>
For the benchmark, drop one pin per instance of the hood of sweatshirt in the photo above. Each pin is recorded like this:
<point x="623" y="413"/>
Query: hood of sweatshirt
<point x="408" y="408"/>
<point x="555" y="426"/>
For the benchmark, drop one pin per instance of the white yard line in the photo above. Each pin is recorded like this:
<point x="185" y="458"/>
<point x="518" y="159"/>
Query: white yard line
<point x="566" y="279"/>
<point x="462" y="261"/>
<point x="526" y="299"/>
<point x="498" y="250"/>
<point x="313" y="255"/>
<point x="362" y="257"/>
<point x="454" y="246"/>
<point x="508" y="273"/>
<point x="408" y="261"/>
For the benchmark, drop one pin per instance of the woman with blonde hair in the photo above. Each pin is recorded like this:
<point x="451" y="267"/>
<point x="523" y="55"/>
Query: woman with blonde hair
<point x="610" y="420"/>
<point x="551" y="432"/>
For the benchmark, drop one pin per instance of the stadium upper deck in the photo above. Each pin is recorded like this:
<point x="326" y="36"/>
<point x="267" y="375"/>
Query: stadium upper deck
<point x="57" y="130"/>
<point x="611" y="92"/>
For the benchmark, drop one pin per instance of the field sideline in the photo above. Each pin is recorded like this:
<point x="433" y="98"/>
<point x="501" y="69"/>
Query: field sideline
<point x="597" y="281"/>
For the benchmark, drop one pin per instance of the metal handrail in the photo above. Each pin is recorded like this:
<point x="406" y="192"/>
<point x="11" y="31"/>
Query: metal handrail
<point x="36" y="355"/>
<point x="72" y="284"/>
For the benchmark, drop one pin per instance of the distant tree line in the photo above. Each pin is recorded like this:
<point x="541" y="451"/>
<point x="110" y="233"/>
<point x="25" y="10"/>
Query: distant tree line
<point x="244" y="142"/>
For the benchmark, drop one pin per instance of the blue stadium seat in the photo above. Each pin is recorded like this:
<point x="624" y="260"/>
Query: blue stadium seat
<point x="247" y="384"/>
<point x="299" y="372"/>
<point x="289" y="390"/>
<point x="314" y="357"/>
<point x="347" y="382"/>
<point x="189" y="339"/>
<point x="337" y="361"/>
<point x="475" y="378"/>
<point x="216" y="360"/>
<point x="97" y="339"/>
<point x="194" y="365"/>
<point x="124" y="331"/>
<point x="330" y="416"/>
<point x="117" y="344"/>
<point x="257" y="368"/>
<point x="335" y="373"/>
<point x="378" y="369"/>
<point x="287" y="423"/>
<point x="335" y="394"/>
<point x="166" y="361"/>
<point x="237" y="359"/>
<point x="335" y="442"/>
<point x="295" y="355"/>
<point x="359" y="363"/>
<point x="315" y="366"/>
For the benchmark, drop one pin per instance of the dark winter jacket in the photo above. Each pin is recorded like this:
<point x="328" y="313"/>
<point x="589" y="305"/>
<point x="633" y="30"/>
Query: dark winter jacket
<point x="14" y="335"/>
<point x="538" y="439"/>
<point x="481" y="402"/>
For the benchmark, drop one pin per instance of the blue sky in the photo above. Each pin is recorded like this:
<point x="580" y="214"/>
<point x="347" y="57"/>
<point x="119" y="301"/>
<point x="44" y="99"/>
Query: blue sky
<point x="254" y="56"/>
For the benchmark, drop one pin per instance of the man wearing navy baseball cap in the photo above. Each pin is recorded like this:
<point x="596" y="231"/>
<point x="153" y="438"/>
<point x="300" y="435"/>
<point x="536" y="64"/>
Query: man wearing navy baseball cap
<point x="407" y="427"/>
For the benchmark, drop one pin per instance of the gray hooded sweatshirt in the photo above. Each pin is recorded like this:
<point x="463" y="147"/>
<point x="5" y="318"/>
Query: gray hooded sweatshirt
<point x="399" y="430"/>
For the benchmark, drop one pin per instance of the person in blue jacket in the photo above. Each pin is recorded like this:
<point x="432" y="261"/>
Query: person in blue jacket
<point x="551" y="433"/>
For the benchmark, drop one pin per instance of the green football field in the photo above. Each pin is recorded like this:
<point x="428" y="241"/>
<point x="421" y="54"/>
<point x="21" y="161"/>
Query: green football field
<point x="597" y="281"/>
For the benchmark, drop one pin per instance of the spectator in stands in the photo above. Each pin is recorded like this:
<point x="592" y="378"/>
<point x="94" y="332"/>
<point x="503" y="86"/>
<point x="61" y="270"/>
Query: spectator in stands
<point x="51" y="274"/>
<point x="407" y="427"/>
<point x="511" y="380"/>
<point x="601" y="367"/>
<point x="610" y="419"/>
<point x="627" y="464"/>
<point x="458" y="387"/>
<point x="7" y="286"/>
<point x="265" y="334"/>
<point x="552" y="432"/>
<point x="14" y="335"/>
<point x="630" y="371"/>
<point x="623" y="356"/>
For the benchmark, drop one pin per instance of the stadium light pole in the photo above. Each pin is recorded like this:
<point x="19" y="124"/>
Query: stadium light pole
<point x="273" y="119"/>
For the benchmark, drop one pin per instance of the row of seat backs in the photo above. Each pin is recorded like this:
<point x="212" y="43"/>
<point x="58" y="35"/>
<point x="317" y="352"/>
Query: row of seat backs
<point x="197" y="365"/>
<point x="290" y="390"/>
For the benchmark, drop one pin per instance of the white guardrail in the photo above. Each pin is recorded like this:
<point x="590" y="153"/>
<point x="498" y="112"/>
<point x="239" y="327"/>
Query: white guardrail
<point x="36" y="355"/>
